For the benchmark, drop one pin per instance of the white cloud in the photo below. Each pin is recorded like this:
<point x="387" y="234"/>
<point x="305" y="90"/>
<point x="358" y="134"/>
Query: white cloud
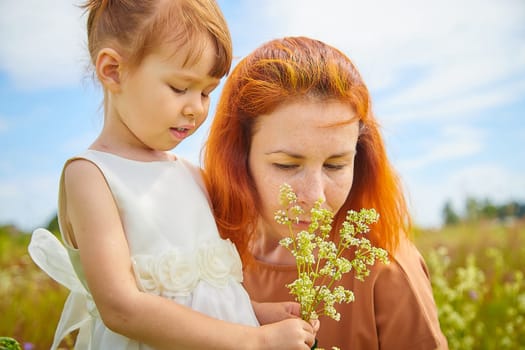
<point x="439" y="61"/>
<point x="28" y="201"/>
<point x="489" y="180"/>
<point x="452" y="50"/>
<point x="407" y="107"/>
<point x="452" y="142"/>
<point x="434" y="62"/>
<point x="42" y="43"/>
<point x="459" y="45"/>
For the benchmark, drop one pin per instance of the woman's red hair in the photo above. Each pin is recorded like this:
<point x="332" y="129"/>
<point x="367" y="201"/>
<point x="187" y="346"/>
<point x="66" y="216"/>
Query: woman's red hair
<point x="278" y="72"/>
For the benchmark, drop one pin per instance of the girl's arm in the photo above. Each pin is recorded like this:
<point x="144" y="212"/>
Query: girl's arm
<point x="151" y="319"/>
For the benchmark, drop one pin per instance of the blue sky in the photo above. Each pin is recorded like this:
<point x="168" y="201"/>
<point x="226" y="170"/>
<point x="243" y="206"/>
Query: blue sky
<point x="447" y="80"/>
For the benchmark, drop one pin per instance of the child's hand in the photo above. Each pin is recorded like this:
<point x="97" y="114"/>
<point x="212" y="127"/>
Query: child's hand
<point x="290" y="334"/>
<point x="274" y="312"/>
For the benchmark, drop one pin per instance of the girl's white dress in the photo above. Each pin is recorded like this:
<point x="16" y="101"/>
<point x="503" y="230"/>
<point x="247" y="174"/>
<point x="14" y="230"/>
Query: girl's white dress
<point x="174" y="245"/>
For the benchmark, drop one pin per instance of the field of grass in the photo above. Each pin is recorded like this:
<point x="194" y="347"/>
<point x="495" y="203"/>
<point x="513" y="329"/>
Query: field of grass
<point x="477" y="273"/>
<point x="478" y="281"/>
<point x="30" y="302"/>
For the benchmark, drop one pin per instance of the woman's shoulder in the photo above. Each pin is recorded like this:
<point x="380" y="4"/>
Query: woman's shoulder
<point x="409" y="262"/>
<point x="403" y="296"/>
<point x="406" y="270"/>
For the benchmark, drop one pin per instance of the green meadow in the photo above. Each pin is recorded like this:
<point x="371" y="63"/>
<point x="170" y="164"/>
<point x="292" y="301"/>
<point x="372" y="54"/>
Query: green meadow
<point x="477" y="272"/>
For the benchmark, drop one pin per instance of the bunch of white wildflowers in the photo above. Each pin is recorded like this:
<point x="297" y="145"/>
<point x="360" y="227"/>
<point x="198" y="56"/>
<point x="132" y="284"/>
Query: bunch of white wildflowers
<point x="320" y="260"/>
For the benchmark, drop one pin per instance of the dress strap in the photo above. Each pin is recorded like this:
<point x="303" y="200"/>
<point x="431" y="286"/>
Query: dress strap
<point x="79" y="309"/>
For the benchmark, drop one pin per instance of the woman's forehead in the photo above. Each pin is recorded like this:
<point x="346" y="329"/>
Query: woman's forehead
<point x="312" y="114"/>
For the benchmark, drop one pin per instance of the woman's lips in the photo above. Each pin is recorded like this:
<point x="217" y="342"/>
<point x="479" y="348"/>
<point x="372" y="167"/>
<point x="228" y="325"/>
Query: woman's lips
<point x="302" y="225"/>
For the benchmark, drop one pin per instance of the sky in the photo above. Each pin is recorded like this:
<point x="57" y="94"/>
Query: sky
<point x="447" y="79"/>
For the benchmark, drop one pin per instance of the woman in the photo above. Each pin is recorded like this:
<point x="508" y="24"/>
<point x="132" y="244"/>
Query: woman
<point x="297" y="111"/>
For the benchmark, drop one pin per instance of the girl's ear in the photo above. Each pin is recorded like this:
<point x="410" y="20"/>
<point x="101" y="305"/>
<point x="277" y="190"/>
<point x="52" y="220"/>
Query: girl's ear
<point x="109" y="69"/>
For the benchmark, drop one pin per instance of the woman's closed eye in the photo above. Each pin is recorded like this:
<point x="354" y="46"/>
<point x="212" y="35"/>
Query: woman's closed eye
<point x="333" y="166"/>
<point x="285" y="166"/>
<point x="328" y="166"/>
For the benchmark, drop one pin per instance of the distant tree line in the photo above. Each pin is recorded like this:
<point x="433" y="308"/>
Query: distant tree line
<point x="484" y="209"/>
<point x="474" y="210"/>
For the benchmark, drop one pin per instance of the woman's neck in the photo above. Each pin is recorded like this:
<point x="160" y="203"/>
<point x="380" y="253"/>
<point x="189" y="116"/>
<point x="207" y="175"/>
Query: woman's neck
<point x="267" y="249"/>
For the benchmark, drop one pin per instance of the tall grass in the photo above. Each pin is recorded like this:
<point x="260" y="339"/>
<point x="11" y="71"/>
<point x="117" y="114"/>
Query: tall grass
<point x="30" y="302"/>
<point x="477" y="273"/>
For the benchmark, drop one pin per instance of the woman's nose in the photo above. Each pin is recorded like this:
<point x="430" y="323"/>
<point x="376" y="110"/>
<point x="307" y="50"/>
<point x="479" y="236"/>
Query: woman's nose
<point x="311" y="189"/>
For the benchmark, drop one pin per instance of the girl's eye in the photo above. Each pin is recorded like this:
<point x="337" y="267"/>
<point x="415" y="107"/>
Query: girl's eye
<point x="178" y="91"/>
<point x="285" y="166"/>
<point x="207" y="92"/>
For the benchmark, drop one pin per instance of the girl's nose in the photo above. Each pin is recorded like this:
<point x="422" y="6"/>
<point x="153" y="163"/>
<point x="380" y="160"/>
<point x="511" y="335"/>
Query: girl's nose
<point x="194" y="106"/>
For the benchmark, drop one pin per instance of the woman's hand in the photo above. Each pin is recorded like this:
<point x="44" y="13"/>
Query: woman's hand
<point x="274" y="312"/>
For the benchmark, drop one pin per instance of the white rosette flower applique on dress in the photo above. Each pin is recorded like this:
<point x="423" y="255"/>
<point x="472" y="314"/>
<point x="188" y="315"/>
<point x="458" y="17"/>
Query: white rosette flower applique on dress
<point x="175" y="273"/>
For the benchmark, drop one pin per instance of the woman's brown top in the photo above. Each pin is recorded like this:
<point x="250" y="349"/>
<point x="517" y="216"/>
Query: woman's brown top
<point x="393" y="309"/>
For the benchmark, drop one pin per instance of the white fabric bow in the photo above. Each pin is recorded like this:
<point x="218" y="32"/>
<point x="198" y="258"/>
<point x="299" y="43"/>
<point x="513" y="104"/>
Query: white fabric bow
<point x="52" y="257"/>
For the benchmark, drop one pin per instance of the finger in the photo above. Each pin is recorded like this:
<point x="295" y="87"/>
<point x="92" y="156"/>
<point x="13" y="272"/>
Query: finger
<point x="294" y="308"/>
<point x="315" y="325"/>
<point x="310" y="340"/>
<point x="307" y="327"/>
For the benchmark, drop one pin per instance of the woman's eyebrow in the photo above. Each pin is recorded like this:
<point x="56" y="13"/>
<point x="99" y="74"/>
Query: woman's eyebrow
<point x="344" y="154"/>
<point x="298" y="156"/>
<point x="288" y="154"/>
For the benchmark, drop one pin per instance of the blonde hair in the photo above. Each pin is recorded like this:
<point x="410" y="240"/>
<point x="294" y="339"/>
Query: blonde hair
<point x="137" y="27"/>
